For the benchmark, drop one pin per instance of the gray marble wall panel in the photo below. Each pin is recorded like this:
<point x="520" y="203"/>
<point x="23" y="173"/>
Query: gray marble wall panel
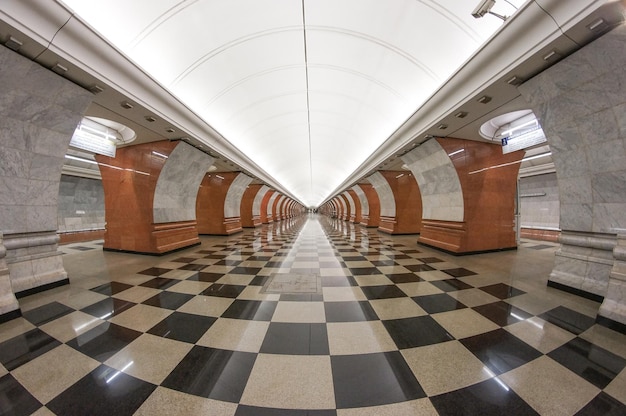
<point x="81" y="204"/>
<point x="178" y="184"/>
<point x="258" y="199"/>
<point x="279" y="206"/>
<point x="365" y="207"/>
<point x="581" y="105"/>
<point x="442" y="196"/>
<point x="385" y="194"/>
<point x="38" y="114"/>
<point x="270" y="204"/>
<point x="539" y="202"/>
<point x="342" y="205"/>
<point x="350" y="202"/>
<point x="232" y="204"/>
<point x="39" y="111"/>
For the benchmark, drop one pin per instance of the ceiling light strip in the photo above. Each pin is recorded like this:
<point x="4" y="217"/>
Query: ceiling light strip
<point x="308" y="101"/>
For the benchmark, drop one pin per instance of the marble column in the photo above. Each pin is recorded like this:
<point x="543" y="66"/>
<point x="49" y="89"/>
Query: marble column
<point x="372" y="203"/>
<point x="265" y="209"/>
<point x="9" y="307"/>
<point x="387" y="202"/>
<point x="356" y="203"/>
<point x="251" y="204"/>
<point x="39" y="112"/>
<point x="468" y="194"/>
<point x="150" y="195"/>
<point x="581" y="105"/>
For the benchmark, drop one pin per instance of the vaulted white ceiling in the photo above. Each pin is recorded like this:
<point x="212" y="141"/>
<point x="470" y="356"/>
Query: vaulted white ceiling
<point x="308" y="89"/>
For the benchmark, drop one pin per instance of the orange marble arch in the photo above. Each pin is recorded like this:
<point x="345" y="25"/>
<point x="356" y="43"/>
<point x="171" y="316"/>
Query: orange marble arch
<point x="266" y="219"/>
<point x="373" y="218"/>
<point x="356" y="215"/>
<point x="488" y="179"/>
<point x="210" y="205"/>
<point x="129" y="181"/>
<point x="408" y="200"/>
<point x="248" y="218"/>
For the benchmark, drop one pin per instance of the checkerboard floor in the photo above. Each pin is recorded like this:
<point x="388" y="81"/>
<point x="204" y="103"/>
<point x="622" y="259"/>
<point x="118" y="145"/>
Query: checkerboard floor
<point x="394" y="328"/>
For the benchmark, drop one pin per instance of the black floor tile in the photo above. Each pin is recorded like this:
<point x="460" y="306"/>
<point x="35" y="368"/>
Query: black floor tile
<point x="382" y="292"/>
<point x="488" y="398"/>
<point x="500" y="351"/>
<point x="431" y="260"/>
<point x="502" y="313"/>
<point x="212" y="373"/>
<point x="459" y="272"/>
<point x="349" y="311"/>
<point x="111" y="288"/>
<point x="572" y="321"/>
<point x="251" y="310"/>
<point x="364" y="271"/>
<point x="245" y="270"/>
<point x="15" y="400"/>
<point x="259" y="281"/>
<point x="440" y="302"/>
<point x="25" y="347"/>
<point x="502" y="291"/>
<point x="596" y="365"/>
<point x="168" y="300"/>
<point x="399" y="256"/>
<point x="354" y="258"/>
<point x="296" y="339"/>
<point x="103" y="341"/>
<point x="416" y="332"/>
<point x="604" y="405"/>
<point x="379" y="263"/>
<point x="183" y="327"/>
<point x="160" y="283"/>
<point x="155" y="271"/>
<point x="419" y="267"/>
<point x="243" y="410"/>
<point x="183" y="260"/>
<point x="225" y="262"/>
<point x="278" y="264"/>
<point x="207" y="277"/>
<point x="451" y="285"/>
<point x="46" y="313"/>
<point x="193" y="267"/>
<point x="404" y="278"/>
<point x="338" y="281"/>
<point x="224" y="291"/>
<point x="105" y="391"/>
<point x="373" y="379"/>
<point x="107" y="308"/>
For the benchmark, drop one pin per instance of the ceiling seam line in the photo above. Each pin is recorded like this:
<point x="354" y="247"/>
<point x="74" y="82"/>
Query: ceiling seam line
<point x="308" y="101"/>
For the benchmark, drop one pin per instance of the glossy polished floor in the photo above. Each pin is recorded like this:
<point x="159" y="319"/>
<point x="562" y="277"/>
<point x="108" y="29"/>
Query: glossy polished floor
<point x="310" y="317"/>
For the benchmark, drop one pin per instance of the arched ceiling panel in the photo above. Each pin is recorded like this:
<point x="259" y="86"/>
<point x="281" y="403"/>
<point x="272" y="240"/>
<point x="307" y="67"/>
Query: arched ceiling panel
<point x="308" y="89"/>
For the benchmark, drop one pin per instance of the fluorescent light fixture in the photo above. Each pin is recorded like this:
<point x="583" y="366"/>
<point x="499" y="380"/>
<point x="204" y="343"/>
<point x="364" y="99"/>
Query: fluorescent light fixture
<point x="511" y="163"/>
<point x="461" y="114"/>
<point x="549" y="55"/>
<point x="596" y="24"/>
<point x="456" y="152"/>
<point x="536" y="156"/>
<point x="519" y="127"/>
<point x="400" y="175"/>
<point x="80" y="159"/>
<point x="484" y="99"/>
<point x="160" y="154"/>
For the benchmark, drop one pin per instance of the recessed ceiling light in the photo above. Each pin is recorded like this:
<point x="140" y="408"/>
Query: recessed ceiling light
<point x="171" y="130"/>
<point x="596" y="24"/>
<point x="126" y="105"/>
<point x="59" y="69"/>
<point x="442" y="126"/>
<point x="95" y="88"/>
<point x="150" y="119"/>
<point x="550" y="55"/>
<point x="13" y="43"/>
<point x="484" y="99"/>
<point x="514" y="80"/>
<point x="461" y="114"/>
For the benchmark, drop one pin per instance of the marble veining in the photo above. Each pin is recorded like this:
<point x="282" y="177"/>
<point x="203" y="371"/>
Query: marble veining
<point x="385" y="194"/>
<point x="235" y="192"/>
<point x="258" y="199"/>
<point x="365" y="207"/>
